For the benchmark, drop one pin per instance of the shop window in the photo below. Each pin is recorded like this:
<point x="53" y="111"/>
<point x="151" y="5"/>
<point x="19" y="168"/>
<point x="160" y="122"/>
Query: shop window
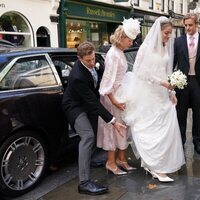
<point x="15" y="29"/>
<point x="163" y="5"/>
<point x="172" y="4"/>
<point x="79" y="31"/>
<point x="181" y="8"/>
<point x="151" y="4"/>
<point x="76" y="33"/>
<point x="43" y="38"/>
<point x="136" y="2"/>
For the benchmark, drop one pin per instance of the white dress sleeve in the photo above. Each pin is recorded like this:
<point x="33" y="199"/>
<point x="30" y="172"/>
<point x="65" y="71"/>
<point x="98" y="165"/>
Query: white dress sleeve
<point x="147" y="68"/>
<point x="109" y="75"/>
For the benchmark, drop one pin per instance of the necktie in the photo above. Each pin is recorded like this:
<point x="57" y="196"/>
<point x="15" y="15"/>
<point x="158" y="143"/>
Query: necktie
<point x="192" y="51"/>
<point x="191" y="42"/>
<point x="95" y="76"/>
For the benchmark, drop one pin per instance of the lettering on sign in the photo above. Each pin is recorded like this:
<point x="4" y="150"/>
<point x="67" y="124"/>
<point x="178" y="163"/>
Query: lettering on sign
<point x="100" y="12"/>
<point x="2" y="5"/>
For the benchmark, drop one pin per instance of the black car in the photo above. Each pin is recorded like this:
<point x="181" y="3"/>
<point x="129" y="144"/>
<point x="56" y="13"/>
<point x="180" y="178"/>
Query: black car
<point x="33" y="129"/>
<point x="130" y="54"/>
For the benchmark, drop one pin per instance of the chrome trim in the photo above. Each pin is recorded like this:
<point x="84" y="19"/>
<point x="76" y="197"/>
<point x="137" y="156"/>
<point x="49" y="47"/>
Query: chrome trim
<point x="33" y="88"/>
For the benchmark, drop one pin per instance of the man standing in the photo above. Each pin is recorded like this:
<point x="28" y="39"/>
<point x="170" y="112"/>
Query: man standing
<point x="187" y="59"/>
<point x="82" y="108"/>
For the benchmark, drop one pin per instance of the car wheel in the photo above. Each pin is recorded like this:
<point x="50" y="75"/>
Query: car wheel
<point x="23" y="158"/>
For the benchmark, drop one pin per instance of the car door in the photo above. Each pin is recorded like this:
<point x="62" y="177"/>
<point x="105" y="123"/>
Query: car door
<point x="32" y="121"/>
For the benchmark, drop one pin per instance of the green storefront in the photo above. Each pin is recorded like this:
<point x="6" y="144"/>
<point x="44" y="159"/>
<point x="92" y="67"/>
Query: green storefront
<point x="93" y="21"/>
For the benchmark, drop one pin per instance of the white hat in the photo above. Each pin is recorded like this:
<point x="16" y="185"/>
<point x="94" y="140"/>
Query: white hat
<point x="131" y="27"/>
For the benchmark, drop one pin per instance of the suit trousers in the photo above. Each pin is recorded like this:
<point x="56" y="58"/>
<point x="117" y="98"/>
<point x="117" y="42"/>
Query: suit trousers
<point x="86" y="145"/>
<point x="189" y="98"/>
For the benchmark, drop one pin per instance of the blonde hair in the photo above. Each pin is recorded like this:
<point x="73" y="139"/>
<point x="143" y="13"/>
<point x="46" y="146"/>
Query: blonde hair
<point x="118" y="35"/>
<point x="193" y="16"/>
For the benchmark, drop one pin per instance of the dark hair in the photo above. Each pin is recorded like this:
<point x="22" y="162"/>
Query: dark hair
<point x="193" y="16"/>
<point x="165" y="24"/>
<point x="85" y="48"/>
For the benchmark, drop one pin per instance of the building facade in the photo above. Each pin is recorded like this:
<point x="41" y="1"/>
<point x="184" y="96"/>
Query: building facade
<point x="93" y="21"/>
<point x="151" y="9"/>
<point x="29" y="22"/>
<point x="148" y="10"/>
<point x="67" y="23"/>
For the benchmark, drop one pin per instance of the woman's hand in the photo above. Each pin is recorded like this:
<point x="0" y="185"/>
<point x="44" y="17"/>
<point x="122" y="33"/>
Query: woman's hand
<point x="167" y="85"/>
<point x="119" y="128"/>
<point x="120" y="106"/>
<point x="172" y="96"/>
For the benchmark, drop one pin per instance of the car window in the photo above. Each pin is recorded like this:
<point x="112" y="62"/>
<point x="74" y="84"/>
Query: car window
<point x="130" y="57"/>
<point x="28" y="73"/>
<point x="63" y="65"/>
<point x="63" y="68"/>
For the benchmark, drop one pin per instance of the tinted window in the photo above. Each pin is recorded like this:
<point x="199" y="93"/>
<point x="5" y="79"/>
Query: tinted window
<point x="27" y="73"/>
<point x="63" y="65"/>
<point x="130" y="57"/>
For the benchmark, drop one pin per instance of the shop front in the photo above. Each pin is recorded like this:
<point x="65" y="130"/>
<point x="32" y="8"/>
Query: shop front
<point x="89" y="20"/>
<point x="29" y="23"/>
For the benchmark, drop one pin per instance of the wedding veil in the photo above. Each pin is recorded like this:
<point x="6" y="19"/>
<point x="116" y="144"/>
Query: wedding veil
<point x="138" y="87"/>
<point x="153" y="44"/>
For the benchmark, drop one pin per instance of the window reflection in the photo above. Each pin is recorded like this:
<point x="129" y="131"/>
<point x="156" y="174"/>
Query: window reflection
<point x="28" y="73"/>
<point x="14" y="29"/>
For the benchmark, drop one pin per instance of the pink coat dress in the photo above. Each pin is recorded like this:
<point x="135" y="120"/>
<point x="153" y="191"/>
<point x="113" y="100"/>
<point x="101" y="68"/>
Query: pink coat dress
<point x="115" y="69"/>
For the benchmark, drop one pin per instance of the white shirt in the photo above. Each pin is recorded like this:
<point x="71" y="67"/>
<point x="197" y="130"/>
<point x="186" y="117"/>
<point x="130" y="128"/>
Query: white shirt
<point x="196" y="39"/>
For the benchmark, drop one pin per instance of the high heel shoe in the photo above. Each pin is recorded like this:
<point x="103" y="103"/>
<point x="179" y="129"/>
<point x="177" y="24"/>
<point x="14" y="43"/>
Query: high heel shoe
<point x="124" y="165"/>
<point x="149" y="171"/>
<point x="162" y="178"/>
<point x="116" y="170"/>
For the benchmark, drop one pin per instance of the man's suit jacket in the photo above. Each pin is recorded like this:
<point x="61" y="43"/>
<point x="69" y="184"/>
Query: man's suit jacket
<point x="181" y="56"/>
<point x="81" y="96"/>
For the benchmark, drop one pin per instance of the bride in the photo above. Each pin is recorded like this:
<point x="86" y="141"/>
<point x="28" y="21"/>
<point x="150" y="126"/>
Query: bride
<point x="150" y="104"/>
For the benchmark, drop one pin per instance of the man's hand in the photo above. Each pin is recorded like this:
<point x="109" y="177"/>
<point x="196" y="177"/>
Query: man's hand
<point x="119" y="128"/>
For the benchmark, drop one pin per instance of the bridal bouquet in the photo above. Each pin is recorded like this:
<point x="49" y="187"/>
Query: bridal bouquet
<point x="178" y="79"/>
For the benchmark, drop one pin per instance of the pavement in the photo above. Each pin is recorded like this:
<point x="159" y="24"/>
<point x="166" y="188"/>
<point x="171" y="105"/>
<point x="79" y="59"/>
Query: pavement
<point x="138" y="185"/>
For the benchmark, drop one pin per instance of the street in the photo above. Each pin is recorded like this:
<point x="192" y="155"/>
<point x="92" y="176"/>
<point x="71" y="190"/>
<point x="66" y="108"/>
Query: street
<point x="136" y="185"/>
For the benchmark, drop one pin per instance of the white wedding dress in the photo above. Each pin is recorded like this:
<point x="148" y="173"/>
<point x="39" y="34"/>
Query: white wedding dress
<point x="152" y="117"/>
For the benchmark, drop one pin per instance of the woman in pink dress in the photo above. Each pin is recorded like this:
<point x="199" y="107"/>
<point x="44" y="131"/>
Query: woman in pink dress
<point x="115" y="69"/>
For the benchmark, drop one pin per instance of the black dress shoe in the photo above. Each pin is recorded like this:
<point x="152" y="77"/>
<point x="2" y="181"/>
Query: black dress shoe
<point x="91" y="188"/>
<point x="197" y="148"/>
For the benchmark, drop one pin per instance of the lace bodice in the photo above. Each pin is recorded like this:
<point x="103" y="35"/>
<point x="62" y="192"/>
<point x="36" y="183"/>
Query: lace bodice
<point x="115" y="69"/>
<point x="157" y="69"/>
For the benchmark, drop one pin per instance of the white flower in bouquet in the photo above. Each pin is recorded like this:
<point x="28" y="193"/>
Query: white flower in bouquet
<point x="178" y="79"/>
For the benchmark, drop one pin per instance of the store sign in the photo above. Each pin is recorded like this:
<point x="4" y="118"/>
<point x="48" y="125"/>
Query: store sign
<point x="86" y="11"/>
<point x="99" y="12"/>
